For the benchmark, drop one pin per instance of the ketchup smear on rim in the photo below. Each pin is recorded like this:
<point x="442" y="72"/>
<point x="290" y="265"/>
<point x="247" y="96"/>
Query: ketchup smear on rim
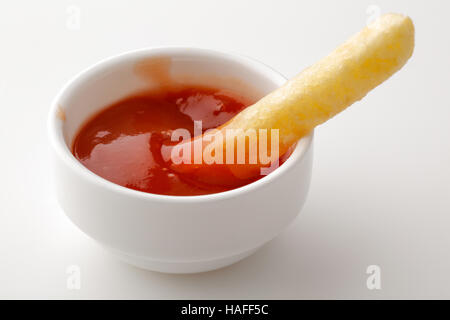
<point x="122" y="143"/>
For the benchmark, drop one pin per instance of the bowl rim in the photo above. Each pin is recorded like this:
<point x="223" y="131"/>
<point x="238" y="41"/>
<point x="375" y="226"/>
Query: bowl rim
<point x="55" y="126"/>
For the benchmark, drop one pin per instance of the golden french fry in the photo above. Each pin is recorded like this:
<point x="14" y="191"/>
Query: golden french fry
<point x="334" y="83"/>
<point x="318" y="93"/>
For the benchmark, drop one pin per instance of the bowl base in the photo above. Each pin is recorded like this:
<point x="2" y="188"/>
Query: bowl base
<point x="179" y="267"/>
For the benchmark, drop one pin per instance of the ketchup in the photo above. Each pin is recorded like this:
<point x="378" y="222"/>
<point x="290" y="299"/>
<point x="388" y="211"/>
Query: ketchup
<point x="123" y="142"/>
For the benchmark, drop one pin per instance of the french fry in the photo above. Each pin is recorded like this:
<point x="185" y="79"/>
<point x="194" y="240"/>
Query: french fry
<point x="331" y="85"/>
<point x="320" y="92"/>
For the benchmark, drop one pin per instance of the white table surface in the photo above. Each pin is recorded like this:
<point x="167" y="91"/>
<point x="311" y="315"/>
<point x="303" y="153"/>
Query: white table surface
<point x="380" y="193"/>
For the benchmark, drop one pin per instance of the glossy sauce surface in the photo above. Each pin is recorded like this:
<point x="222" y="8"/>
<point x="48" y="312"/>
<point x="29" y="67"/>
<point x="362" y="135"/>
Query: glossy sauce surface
<point x="123" y="142"/>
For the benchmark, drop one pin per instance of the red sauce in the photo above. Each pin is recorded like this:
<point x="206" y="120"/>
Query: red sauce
<point x="123" y="142"/>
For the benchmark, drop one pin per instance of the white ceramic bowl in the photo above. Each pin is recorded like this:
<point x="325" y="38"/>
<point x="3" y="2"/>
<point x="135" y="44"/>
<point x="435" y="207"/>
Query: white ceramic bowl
<point x="167" y="233"/>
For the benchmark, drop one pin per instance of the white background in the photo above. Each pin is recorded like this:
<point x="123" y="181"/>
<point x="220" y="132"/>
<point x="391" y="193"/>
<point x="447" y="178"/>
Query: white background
<point x="380" y="193"/>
